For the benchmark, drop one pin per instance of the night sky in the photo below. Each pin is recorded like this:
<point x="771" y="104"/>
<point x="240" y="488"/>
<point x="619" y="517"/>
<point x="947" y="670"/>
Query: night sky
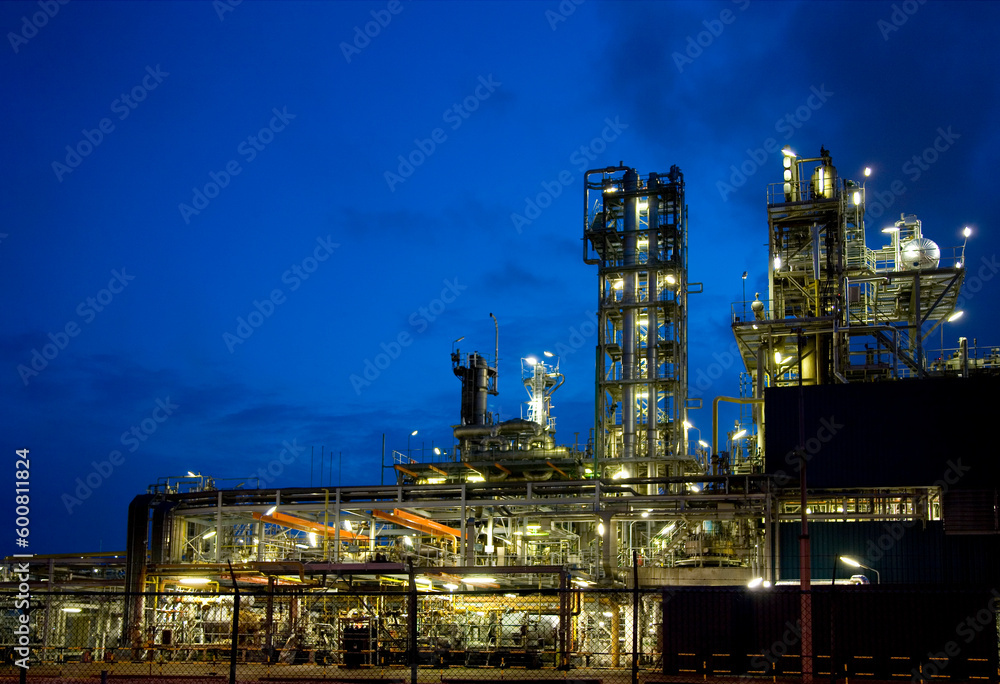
<point x="216" y="218"/>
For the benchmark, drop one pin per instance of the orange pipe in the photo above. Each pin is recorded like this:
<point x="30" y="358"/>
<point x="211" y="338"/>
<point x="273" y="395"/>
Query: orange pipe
<point x="296" y="523"/>
<point x="415" y="522"/>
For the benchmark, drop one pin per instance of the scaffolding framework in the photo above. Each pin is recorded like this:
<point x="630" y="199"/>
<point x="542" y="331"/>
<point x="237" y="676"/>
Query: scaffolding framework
<point x="635" y="232"/>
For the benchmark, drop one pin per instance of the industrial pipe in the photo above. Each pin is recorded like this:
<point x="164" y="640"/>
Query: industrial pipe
<point x="715" y="416"/>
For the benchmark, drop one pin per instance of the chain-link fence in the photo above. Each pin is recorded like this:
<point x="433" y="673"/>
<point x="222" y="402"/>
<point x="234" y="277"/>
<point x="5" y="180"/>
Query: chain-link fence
<point x="404" y="634"/>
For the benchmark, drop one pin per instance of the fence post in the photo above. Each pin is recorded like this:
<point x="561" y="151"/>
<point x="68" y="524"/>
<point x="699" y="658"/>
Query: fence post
<point x="236" y="625"/>
<point x="562" y="657"/>
<point x="412" y="611"/>
<point x="635" y="617"/>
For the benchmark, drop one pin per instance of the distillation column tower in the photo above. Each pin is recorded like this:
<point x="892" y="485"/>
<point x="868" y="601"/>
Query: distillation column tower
<point x="635" y="232"/>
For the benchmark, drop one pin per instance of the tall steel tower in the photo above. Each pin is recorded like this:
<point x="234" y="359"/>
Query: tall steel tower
<point x="635" y="231"/>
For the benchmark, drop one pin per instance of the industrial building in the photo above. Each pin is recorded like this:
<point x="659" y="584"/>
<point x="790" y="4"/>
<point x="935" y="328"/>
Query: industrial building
<point x="833" y="353"/>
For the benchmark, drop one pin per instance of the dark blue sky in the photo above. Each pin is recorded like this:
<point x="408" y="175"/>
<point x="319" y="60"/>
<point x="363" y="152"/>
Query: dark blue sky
<point x="244" y="163"/>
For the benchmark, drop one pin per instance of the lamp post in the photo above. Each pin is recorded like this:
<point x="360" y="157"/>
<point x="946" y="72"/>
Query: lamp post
<point x="744" y="295"/>
<point x="408" y="456"/>
<point x="854" y="564"/>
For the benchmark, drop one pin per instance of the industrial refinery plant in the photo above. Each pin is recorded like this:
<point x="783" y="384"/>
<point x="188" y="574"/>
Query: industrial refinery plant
<point x="831" y="455"/>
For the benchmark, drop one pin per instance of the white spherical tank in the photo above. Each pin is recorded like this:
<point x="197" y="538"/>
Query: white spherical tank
<point x="919" y="253"/>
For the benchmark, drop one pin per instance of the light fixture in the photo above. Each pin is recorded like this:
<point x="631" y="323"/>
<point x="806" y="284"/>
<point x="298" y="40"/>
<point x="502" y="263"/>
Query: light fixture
<point x="703" y="443"/>
<point x="548" y="354"/>
<point x="856" y="197"/>
<point x="855" y="564"/>
<point x="777" y="263"/>
<point x="644" y="514"/>
<point x="890" y="229"/>
<point x="694" y="488"/>
<point x="190" y="474"/>
<point x="195" y="581"/>
<point x="72" y="610"/>
<point x="777" y="357"/>
<point x="967" y="232"/>
<point x="607" y="613"/>
<point x="620" y="474"/>
<point x="301" y="546"/>
<point x="687" y="425"/>
<point x="868" y="171"/>
<point x="643" y="206"/>
<point x="600" y="529"/>
<point x="671" y="280"/>
<point x="478" y="579"/>
<point x="618" y="284"/>
<point x="787" y="151"/>
<point x="312" y="539"/>
<point x="407" y="541"/>
<point x="209" y="534"/>
<point x="450" y="587"/>
<point x="739" y="435"/>
<point x="755" y="582"/>
<point x="270" y="510"/>
<point x="955" y="316"/>
<point x="347" y="525"/>
<point x="437" y="451"/>
<point x="531" y="360"/>
<point x="413" y="433"/>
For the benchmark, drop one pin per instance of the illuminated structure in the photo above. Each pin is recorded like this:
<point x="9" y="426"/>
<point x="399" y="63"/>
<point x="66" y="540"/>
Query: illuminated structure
<point x="635" y="232"/>
<point x="510" y="508"/>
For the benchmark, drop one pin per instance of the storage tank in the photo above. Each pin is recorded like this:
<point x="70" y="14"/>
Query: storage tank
<point x="919" y="253"/>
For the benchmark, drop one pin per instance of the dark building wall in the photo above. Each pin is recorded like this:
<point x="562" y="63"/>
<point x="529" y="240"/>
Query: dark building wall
<point x="902" y="552"/>
<point x="910" y="433"/>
